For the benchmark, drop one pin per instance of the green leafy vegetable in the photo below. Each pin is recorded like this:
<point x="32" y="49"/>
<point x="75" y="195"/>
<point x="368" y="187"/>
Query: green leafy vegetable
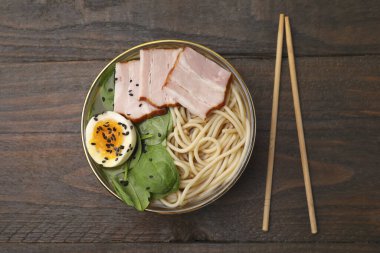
<point x="126" y="168"/>
<point x="150" y="173"/>
<point x="133" y="161"/>
<point x="162" y="195"/>
<point x="170" y="123"/>
<point x="105" y="95"/>
<point x="156" y="127"/>
<point x="156" y="171"/>
<point x="146" y="136"/>
<point x="132" y="194"/>
<point x="107" y="90"/>
<point x="120" y="191"/>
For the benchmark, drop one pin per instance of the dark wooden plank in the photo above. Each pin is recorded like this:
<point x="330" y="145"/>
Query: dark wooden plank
<point x="335" y="93"/>
<point x="44" y="97"/>
<point x="193" y="247"/>
<point x="88" y="30"/>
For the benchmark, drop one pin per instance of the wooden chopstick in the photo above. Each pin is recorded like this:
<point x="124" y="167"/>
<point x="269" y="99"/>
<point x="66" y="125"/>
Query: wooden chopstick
<point x="301" y="137"/>
<point x="272" y="138"/>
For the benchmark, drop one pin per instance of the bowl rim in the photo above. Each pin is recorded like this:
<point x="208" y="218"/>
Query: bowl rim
<point x="236" y="74"/>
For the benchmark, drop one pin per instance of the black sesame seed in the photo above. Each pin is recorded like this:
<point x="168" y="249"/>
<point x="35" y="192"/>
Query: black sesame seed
<point x="109" y="140"/>
<point x="137" y="84"/>
<point x="96" y="119"/>
<point x="103" y="99"/>
<point x="109" y="129"/>
<point x="130" y="80"/>
<point x="115" y="78"/>
<point x="116" y="159"/>
<point x="140" y="105"/>
<point x="119" y="123"/>
<point x="148" y="188"/>
<point x="150" y="176"/>
<point x="105" y="158"/>
<point x="131" y="127"/>
<point x="93" y="143"/>
<point x="103" y="161"/>
<point x="114" y="129"/>
<point x="110" y="90"/>
<point x="159" y="134"/>
<point x="121" y="147"/>
<point x="130" y="91"/>
<point x="130" y="145"/>
<point x="127" y="133"/>
<point x="104" y="136"/>
<point x="130" y="94"/>
<point x="150" y="159"/>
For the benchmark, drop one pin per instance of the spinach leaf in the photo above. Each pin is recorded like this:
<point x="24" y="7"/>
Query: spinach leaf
<point x="153" y="177"/>
<point x="156" y="171"/>
<point x="170" y="123"/>
<point x="132" y="194"/>
<point x="120" y="191"/>
<point x="162" y="195"/>
<point x="107" y="90"/>
<point x="105" y="95"/>
<point x="134" y="159"/>
<point x="156" y="127"/>
<point x="151" y="171"/>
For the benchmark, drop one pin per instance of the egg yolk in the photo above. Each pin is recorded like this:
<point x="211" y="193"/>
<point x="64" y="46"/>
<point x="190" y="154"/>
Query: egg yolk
<point x="107" y="137"/>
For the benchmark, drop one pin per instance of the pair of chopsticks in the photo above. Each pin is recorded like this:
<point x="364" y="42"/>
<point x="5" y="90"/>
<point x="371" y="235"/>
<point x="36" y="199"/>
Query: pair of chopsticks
<point x="301" y="137"/>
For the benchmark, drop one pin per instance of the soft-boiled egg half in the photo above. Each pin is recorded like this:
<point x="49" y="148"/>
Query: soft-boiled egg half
<point x="110" y="138"/>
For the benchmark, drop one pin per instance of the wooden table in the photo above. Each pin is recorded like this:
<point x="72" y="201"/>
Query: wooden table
<point x="51" y="52"/>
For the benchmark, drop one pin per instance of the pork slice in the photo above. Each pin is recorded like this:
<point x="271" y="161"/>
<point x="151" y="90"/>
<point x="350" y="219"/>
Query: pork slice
<point x="198" y="83"/>
<point x="186" y="99"/>
<point x="127" y="88"/>
<point x="155" y="67"/>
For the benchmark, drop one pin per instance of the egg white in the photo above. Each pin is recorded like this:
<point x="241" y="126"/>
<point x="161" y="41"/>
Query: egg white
<point x="129" y="141"/>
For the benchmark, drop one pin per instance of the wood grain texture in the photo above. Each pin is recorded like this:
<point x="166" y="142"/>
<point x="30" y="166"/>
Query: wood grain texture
<point x="92" y="29"/>
<point x="192" y="247"/>
<point x="50" y="52"/>
<point x="49" y="194"/>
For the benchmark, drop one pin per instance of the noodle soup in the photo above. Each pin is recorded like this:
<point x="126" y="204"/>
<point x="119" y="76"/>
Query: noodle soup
<point x="209" y="154"/>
